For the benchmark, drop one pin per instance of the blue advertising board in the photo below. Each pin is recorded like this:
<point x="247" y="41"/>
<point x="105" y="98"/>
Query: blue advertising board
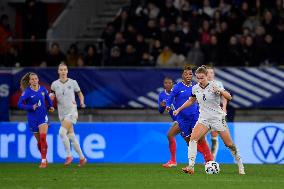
<point x="139" y="88"/>
<point x="5" y="84"/>
<point x="139" y="143"/>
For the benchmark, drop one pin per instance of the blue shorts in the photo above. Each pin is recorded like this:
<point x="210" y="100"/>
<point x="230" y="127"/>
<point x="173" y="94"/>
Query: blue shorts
<point x="35" y="123"/>
<point x="186" y="123"/>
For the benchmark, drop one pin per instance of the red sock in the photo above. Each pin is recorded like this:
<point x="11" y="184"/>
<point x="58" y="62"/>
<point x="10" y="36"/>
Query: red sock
<point x="38" y="146"/>
<point x="43" y="146"/>
<point x="203" y="147"/>
<point x="172" y="146"/>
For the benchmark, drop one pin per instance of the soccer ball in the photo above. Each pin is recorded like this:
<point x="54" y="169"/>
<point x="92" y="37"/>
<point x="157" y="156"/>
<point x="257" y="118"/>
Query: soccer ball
<point x="212" y="167"/>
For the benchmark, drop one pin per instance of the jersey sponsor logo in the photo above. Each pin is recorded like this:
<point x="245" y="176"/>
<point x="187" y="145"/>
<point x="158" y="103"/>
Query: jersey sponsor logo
<point x="32" y="96"/>
<point x="268" y="144"/>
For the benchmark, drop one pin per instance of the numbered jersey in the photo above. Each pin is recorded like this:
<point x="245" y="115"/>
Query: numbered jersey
<point x="65" y="95"/>
<point x="31" y="97"/>
<point x="209" y="101"/>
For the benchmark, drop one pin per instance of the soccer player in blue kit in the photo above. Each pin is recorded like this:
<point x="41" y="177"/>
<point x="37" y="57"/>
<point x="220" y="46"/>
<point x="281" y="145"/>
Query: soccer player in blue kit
<point x="33" y="101"/>
<point x="188" y="117"/>
<point x="163" y="97"/>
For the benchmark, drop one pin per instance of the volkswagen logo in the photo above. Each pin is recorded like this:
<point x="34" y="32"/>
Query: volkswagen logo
<point x="268" y="144"/>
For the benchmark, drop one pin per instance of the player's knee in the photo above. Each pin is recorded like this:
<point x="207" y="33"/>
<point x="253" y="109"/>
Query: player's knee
<point x="62" y="132"/>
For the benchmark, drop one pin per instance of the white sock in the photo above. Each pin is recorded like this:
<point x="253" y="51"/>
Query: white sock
<point x="192" y="152"/>
<point x="214" y="146"/>
<point x="76" y="145"/>
<point x="65" y="141"/>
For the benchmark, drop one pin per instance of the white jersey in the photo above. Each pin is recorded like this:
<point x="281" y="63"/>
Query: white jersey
<point x="209" y="102"/>
<point x="65" y="95"/>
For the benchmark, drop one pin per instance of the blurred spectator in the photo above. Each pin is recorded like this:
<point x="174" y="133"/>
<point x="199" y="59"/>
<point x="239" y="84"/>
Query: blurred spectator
<point x="212" y="52"/>
<point x="233" y="56"/>
<point x="108" y="35"/>
<point x="207" y="9"/>
<point x="195" y="55"/>
<point x="249" y="52"/>
<point x="167" y="58"/>
<point x="147" y="60"/>
<point x="54" y="56"/>
<point x="115" y="57"/>
<point x="130" y="57"/>
<point x="92" y="58"/>
<point x="35" y="25"/>
<point x="5" y="35"/>
<point x="11" y="58"/>
<point x="72" y="56"/>
<point x="80" y="61"/>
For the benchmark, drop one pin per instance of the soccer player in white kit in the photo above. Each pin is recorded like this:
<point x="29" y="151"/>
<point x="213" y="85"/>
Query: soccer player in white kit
<point x="208" y="95"/>
<point x="64" y="90"/>
<point x="214" y="134"/>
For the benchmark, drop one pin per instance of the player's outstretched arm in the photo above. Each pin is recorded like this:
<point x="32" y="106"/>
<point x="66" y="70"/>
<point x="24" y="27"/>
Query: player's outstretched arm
<point x="187" y="103"/>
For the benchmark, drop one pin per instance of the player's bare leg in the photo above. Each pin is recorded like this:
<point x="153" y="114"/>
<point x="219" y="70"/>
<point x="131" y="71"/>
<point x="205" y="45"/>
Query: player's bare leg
<point x="76" y="145"/>
<point x="173" y="131"/>
<point x="215" y="144"/>
<point x="198" y="132"/>
<point x="227" y="139"/>
<point x="43" y="144"/>
<point x="65" y="127"/>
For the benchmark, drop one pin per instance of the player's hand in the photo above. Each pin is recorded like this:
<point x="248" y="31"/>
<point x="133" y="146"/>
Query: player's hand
<point x="216" y="89"/>
<point x="83" y="105"/>
<point x="51" y="96"/>
<point x="163" y="104"/>
<point x="168" y="109"/>
<point x="51" y="109"/>
<point x="35" y="106"/>
<point x="175" y="112"/>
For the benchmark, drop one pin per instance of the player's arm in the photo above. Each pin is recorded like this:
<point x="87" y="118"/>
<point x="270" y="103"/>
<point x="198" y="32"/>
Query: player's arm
<point x="225" y="94"/>
<point x="224" y="103"/>
<point x="49" y="101"/>
<point x="222" y="92"/>
<point x="187" y="103"/>
<point x="82" y="99"/>
<point x="171" y="98"/>
<point x="161" y="104"/>
<point x="52" y="92"/>
<point x="79" y="93"/>
<point x="22" y="105"/>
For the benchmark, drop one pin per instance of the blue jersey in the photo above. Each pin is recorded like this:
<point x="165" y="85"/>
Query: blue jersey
<point x="163" y="96"/>
<point x="31" y="97"/>
<point x="187" y="117"/>
<point x="180" y="94"/>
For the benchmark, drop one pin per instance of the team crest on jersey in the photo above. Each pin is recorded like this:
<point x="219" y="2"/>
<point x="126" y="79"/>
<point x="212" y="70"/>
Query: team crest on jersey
<point x="42" y="93"/>
<point x="69" y="87"/>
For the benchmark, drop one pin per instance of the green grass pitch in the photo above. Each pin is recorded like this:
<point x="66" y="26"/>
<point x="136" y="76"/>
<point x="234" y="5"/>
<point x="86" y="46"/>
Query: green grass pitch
<point x="136" y="176"/>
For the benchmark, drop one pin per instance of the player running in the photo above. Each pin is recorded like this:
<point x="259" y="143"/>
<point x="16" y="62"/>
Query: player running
<point x="163" y="97"/>
<point x="64" y="90"/>
<point x="208" y="95"/>
<point x="188" y="117"/>
<point x="214" y="134"/>
<point x="33" y="101"/>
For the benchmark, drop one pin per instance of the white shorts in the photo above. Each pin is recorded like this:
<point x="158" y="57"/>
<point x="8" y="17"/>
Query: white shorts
<point x="70" y="117"/>
<point x="214" y="124"/>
